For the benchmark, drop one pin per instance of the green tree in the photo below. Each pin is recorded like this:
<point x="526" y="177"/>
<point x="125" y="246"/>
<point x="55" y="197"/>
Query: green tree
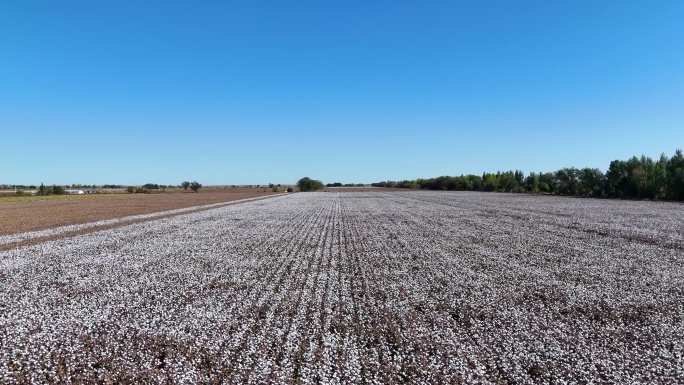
<point x="616" y="178"/>
<point x="639" y="180"/>
<point x="660" y="177"/>
<point x="308" y="184"/>
<point x="42" y="190"/>
<point x="547" y="183"/>
<point x="57" y="190"/>
<point x="185" y="185"/>
<point x="590" y="182"/>
<point x="637" y="177"/>
<point x="194" y="186"/>
<point x="508" y="181"/>
<point x="491" y="182"/>
<point x="566" y="180"/>
<point x="675" y="171"/>
<point x="519" y="177"/>
<point x="532" y="182"/>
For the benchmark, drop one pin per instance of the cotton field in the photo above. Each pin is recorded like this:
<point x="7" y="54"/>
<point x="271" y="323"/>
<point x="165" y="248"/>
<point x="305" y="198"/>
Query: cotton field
<point x="367" y="287"/>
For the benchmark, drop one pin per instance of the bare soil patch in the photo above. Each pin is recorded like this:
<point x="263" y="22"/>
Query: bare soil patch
<point x="40" y="213"/>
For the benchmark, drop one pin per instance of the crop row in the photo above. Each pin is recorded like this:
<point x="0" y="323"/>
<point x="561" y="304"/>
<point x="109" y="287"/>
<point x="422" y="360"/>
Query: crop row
<point x="432" y="287"/>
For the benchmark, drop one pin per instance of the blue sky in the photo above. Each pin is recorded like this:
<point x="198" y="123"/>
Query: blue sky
<point x="242" y="92"/>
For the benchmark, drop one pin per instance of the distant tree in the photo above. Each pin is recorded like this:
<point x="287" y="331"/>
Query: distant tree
<point x="508" y="181"/>
<point x="591" y="182"/>
<point x="408" y="184"/>
<point x="660" y="177"/>
<point x="474" y="182"/>
<point x="194" y="186"/>
<point x="185" y="185"/>
<point x="635" y="178"/>
<point x="547" y="183"/>
<point x="491" y="182"/>
<point x="519" y="177"/>
<point x="57" y="190"/>
<point x="675" y="171"/>
<point x="616" y="179"/>
<point x="567" y="181"/>
<point x="308" y="184"/>
<point x="130" y="189"/>
<point x="532" y="182"/>
<point x="151" y="186"/>
<point x="640" y="183"/>
<point x="42" y="190"/>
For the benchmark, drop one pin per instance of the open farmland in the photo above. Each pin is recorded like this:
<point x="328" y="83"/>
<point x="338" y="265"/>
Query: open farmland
<point x="35" y="213"/>
<point x="419" y="287"/>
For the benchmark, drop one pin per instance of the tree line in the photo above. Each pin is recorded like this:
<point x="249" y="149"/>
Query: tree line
<point x="50" y="190"/>
<point x="339" y="184"/>
<point x="635" y="178"/>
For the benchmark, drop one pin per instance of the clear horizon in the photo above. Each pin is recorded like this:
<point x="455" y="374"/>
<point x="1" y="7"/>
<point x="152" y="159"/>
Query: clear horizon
<point x="257" y="93"/>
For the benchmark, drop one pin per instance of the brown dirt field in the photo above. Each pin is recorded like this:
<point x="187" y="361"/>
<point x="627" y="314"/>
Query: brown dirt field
<point x="40" y="213"/>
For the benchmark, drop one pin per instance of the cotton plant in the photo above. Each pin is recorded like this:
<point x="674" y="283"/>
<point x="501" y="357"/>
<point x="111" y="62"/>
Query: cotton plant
<point x="359" y="287"/>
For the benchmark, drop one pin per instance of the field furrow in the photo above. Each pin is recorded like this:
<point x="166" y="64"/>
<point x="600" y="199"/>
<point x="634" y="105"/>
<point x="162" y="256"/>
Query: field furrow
<point x="357" y="287"/>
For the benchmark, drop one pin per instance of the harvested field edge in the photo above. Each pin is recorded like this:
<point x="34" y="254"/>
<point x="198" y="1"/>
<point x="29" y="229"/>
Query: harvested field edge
<point x="11" y="241"/>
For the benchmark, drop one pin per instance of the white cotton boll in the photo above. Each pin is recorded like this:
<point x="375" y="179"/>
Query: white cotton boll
<point x="374" y="287"/>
